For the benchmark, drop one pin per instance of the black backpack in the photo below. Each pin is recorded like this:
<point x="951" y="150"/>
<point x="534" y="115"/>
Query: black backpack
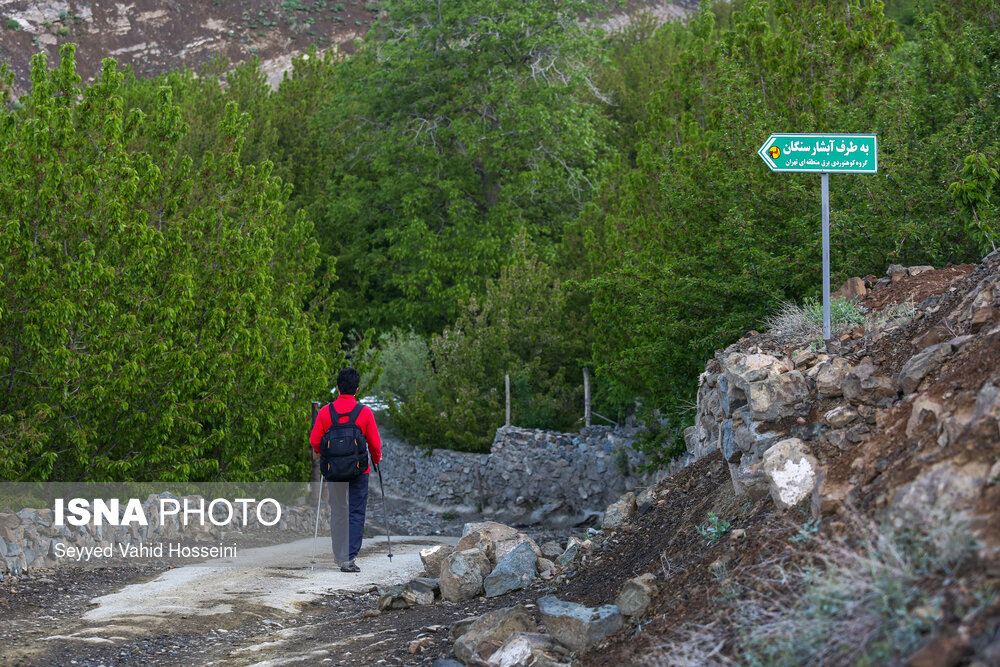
<point x="343" y="451"/>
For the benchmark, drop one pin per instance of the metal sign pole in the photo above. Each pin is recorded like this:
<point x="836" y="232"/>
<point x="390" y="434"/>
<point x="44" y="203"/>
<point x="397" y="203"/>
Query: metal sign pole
<point x="825" y="186"/>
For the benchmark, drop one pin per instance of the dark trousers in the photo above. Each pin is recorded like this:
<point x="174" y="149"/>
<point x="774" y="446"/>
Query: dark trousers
<point x="348" y="501"/>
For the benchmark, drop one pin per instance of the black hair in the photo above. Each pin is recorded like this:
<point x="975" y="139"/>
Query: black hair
<point x="348" y="381"/>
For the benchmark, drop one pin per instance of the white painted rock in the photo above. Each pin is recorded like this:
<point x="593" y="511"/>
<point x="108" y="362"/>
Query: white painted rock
<point x="790" y="471"/>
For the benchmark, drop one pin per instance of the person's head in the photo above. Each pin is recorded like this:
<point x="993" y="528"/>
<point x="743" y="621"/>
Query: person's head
<point x="348" y="381"/>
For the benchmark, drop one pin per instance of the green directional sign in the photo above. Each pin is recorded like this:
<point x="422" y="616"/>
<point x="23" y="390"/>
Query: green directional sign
<point x="824" y="153"/>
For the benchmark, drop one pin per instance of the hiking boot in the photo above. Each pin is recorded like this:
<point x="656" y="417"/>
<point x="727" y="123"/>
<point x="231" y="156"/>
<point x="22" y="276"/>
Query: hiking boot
<point x="350" y="567"/>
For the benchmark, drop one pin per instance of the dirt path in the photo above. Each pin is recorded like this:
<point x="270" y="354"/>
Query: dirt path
<point x="254" y="608"/>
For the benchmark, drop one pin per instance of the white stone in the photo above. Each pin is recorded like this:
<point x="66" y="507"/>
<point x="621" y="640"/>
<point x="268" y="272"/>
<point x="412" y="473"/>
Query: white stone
<point x="791" y="472"/>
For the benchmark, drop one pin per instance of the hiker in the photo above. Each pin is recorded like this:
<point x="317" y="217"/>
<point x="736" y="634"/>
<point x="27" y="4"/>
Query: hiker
<point x="348" y="499"/>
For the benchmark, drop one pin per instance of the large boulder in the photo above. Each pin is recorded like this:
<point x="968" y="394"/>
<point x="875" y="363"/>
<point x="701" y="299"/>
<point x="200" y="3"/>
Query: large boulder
<point x="433" y="558"/>
<point x="619" y="512"/>
<point x="481" y="541"/>
<point x="790" y="471"/>
<point x="491" y="630"/>
<point x="516" y="570"/>
<point x="636" y="595"/>
<point x="462" y="575"/>
<point x="578" y="627"/>
<point x="920" y="364"/>
<point x="495" y="531"/>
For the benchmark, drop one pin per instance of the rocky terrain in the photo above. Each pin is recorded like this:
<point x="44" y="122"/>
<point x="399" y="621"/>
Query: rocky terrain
<point x="873" y="461"/>
<point x="154" y="36"/>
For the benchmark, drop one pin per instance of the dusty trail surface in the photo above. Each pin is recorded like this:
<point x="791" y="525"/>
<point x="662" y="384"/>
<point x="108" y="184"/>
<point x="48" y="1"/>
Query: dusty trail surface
<point x="249" y="609"/>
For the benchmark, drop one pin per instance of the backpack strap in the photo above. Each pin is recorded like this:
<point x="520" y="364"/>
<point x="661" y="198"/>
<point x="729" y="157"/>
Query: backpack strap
<point x="352" y="417"/>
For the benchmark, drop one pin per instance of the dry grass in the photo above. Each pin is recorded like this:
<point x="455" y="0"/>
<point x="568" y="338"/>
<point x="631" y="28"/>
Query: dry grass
<point x="869" y="601"/>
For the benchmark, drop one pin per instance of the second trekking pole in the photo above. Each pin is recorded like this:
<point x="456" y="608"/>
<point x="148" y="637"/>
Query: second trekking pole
<point x="385" y="512"/>
<point x="319" y="499"/>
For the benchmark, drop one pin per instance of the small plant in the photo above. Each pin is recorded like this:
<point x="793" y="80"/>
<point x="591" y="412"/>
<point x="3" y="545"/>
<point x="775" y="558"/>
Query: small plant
<point x="729" y="589"/>
<point x="449" y="516"/>
<point x="12" y="24"/>
<point x="806" y="531"/>
<point x="715" y="529"/>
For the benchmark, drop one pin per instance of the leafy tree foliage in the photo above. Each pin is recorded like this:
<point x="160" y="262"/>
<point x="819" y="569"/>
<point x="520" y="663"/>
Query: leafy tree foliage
<point x="697" y="242"/>
<point x="454" y="129"/>
<point x="158" y="315"/>
<point x="522" y="326"/>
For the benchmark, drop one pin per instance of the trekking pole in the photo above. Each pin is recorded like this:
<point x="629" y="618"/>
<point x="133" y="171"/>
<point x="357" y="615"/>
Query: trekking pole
<point x="319" y="499"/>
<point x="385" y="512"/>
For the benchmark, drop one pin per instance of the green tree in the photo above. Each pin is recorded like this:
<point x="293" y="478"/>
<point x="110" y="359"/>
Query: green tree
<point x="158" y="317"/>
<point x="523" y="326"/>
<point x="455" y="127"/>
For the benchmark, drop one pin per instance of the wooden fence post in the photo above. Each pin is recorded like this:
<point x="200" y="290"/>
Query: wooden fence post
<point x="586" y="396"/>
<point x="506" y="383"/>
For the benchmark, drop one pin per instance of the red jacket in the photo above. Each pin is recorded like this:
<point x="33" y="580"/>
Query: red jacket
<point x="366" y="422"/>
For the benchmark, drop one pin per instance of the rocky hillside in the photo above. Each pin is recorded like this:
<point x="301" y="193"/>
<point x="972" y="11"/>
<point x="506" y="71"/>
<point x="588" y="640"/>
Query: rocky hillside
<point x="155" y="36"/>
<point x="839" y="505"/>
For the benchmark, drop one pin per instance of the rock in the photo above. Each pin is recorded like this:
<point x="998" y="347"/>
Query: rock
<point x="636" y="594"/>
<point x="459" y="628"/>
<point x="481" y="541"/>
<point x="862" y="385"/>
<point x="491" y="630"/>
<point x="504" y="547"/>
<point x="546" y="568"/>
<point x="526" y="648"/>
<point x="578" y="627"/>
<point x="418" y="645"/>
<point x="446" y="662"/>
<point x="516" y="570"/>
<point x="495" y="531"/>
<point x="619" y="512"/>
<point x="421" y="591"/>
<point x="462" y="575"/>
<point x="748" y="479"/>
<point x="552" y="549"/>
<point x="917" y="270"/>
<point x="830" y="377"/>
<point x="790" y="471"/>
<point x="941" y="651"/>
<point x="987" y="402"/>
<point x="841" y="416"/>
<point x="936" y="334"/>
<point x="920" y="364"/>
<point x="433" y="558"/>
<point x="895" y="268"/>
<point x="924" y="411"/>
<point x="573" y="548"/>
<point x="854" y="288"/>
<point x="741" y="370"/>
<point x="392" y="598"/>
<point x="982" y="317"/>
<point x="8" y="520"/>
<point x="777" y="396"/>
<point x="945" y="489"/>
<point x="747" y="438"/>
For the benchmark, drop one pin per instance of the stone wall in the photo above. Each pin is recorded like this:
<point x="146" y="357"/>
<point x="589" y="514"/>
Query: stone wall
<point x="529" y="473"/>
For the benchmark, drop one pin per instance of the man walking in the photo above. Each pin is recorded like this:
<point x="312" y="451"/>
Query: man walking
<point x="348" y="500"/>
